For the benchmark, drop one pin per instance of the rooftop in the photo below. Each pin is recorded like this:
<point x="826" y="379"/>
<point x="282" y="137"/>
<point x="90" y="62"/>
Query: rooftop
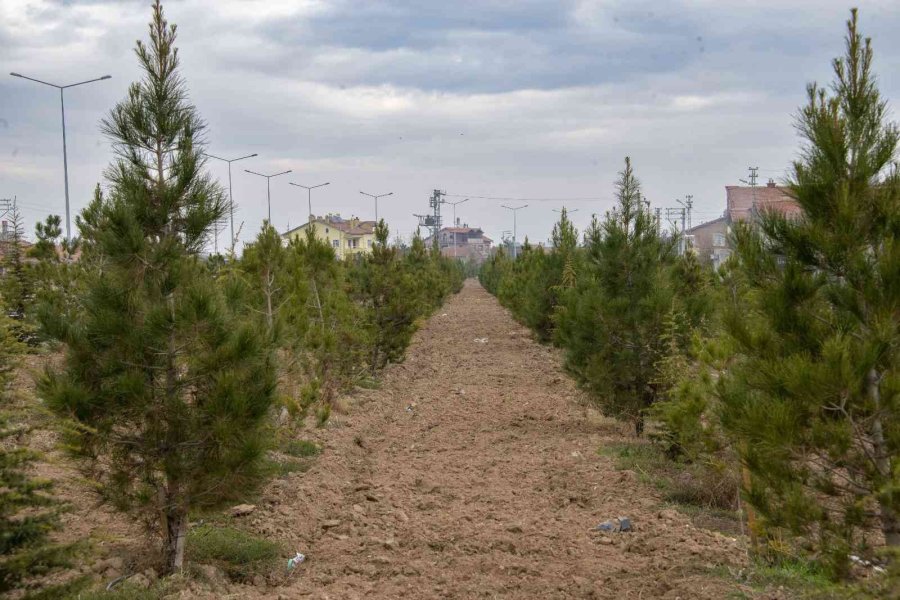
<point x="741" y="201"/>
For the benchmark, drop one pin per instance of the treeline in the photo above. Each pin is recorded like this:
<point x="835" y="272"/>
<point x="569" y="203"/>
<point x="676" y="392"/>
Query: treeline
<point x="178" y="368"/>
<point x="780" y="369"/>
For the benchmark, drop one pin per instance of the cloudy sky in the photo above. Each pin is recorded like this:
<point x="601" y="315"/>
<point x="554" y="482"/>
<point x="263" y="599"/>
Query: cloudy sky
<point x="538" y="100"/>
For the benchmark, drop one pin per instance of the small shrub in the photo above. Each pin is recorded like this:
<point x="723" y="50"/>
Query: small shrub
<point x="239" y="554"/>
<point x="301" y="448"/>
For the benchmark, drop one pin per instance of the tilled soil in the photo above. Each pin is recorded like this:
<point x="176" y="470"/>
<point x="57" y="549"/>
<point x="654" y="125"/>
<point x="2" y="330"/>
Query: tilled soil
<point x="473" y="472"/>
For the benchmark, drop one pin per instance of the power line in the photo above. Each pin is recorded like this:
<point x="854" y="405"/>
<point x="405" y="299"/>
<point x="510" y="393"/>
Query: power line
<point x="510" y="199"/>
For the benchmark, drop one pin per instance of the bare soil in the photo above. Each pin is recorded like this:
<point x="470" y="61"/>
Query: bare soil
<point x="474" y="472"/>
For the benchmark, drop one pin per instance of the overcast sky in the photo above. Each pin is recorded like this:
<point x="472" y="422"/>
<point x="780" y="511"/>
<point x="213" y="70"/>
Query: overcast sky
<point x="506" y="98"/>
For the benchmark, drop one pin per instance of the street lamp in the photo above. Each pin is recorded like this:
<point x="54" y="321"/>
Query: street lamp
<point x="376" y="197"/>
<point x="568" y="212"/>
<point x="514" y="211"/>
<point x="453" y="204"/>
<point x="62" y="106"/>
<point x="268" y="187"/>
<point x="309" y="189"/>
<point x="230" y="197"/>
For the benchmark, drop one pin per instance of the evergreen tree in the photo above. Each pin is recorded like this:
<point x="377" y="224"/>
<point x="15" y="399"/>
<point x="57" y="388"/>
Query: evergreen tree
<point x="18" y="283"/>
<point x="613" y="319"/>
<point x="326" y="331"/>
<point x="28" y="511"/>
<point x="390" y="293"/>
<point x="167" y="385"/>
<point x="264" y="261"/>
<point x="814" y="399"/>
<point x="47" y="234"/>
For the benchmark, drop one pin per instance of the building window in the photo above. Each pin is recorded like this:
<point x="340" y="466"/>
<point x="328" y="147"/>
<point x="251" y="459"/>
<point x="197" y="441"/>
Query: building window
<point x="718" y="239"/>
<point x="335" y="243"/>
<point x="370" y="243"/>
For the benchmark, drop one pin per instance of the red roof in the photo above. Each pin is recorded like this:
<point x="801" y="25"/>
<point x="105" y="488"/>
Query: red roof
<point x="743" y="201"/>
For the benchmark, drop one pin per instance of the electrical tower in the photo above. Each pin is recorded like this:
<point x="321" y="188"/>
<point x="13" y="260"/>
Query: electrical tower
<point x="433" y="221"/>
<point x="753" y="175"/>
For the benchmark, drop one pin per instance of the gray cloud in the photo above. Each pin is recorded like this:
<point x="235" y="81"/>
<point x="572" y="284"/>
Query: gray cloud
<point x="527" y="99"/>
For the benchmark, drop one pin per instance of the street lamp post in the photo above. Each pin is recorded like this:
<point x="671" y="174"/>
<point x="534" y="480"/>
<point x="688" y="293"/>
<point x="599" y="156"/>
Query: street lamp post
<point x="62" y="106"/>
<point x="514" y="211"/>
<point x="268" y="187"/>
<point x="309" y="189"/>
<point x="455" y="240"/>
<point x="230" y="196"/>
<point x="376" y="197"/>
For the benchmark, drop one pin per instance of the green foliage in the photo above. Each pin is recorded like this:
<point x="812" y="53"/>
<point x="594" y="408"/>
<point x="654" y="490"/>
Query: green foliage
<point x="28" y="512"/>
<point x="396" y="291"/>
<point x="240" y="554"/>
<point x="813" y="397"/>
<point x="611" y="322"/>
<point x="166" y="384"/>
<point x="17" y="286"/>
<point x="301" y="448"/>
<point x="47" y="234"/>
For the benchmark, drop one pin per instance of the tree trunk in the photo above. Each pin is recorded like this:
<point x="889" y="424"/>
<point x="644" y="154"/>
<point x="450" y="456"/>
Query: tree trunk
<point x="176" y="531"/>
<point x="890" y="520"/>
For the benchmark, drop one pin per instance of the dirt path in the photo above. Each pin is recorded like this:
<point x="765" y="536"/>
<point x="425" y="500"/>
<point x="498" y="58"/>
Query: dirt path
<point x="473" y="473"/>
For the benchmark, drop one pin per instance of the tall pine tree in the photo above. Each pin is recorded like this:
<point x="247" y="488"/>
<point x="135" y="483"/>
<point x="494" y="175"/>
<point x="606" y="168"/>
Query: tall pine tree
<point x="168" y="386"/>
<point x="611" y="323"/>
<point x="815" y="396"/>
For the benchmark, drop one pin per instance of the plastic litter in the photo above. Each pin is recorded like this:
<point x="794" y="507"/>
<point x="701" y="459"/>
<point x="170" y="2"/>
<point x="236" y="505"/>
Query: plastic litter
<point x="481" y="340"/>
<point x="866" y="563"/>
<point x="620" y="524"/>
<point x="293" y="562"/>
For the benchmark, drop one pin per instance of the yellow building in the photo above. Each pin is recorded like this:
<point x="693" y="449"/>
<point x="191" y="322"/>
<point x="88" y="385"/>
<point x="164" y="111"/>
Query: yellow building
<point x="347" y="236"/>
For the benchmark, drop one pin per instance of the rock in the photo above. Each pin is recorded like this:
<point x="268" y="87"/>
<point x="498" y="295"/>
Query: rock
<point x="210" y="573"/>
<point x="116" y="563"/>
<point x="139" y="580"/>
<point x="358" y="509"/>
<point x="514" y="529"/>
<point x="402" y="516"/>
<point x="242" y="510"/>
<point x="331" y="523"/>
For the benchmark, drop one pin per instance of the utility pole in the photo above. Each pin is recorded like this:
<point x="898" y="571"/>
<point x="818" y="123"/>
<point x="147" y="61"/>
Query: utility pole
<point x="309" y="189"/>
<point x="679" y="214"/>
<point x="62" y="107"/>
<point x="515" y="210"/>
<point x="230" y="196"/>
<point x="455" y="239"/>
<point x="376" y="197"/>
<point x="752" y="184"/>
<point x="268" y="187"/>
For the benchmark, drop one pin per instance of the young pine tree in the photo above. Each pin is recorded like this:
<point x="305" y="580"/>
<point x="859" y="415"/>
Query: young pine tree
<point x="392" y="297"/>
<point x="167" y="386"/>
<point x="612" y="321"/>
<point x="47" y="234"/>
<point x="815" y="397"/>
<point x="18" y="282"/>
<point x="28" y="511"/>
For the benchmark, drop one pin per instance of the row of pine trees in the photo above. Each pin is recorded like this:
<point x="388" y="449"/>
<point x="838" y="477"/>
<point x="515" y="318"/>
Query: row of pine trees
<point x="784" y="365"/>
<point x="178" y="368"/>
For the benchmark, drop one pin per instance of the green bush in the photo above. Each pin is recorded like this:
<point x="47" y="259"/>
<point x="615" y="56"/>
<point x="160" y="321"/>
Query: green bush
<point x="239" y="554"/>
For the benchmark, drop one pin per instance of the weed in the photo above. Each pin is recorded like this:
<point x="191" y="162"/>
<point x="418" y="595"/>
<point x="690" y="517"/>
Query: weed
<point x="239" y="554"/>
<point x="301" y="448"/>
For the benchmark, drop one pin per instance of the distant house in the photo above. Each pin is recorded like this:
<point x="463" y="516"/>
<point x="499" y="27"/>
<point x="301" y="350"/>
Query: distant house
<point x="746" y="203"/>
<point x="348" y="237"/>
<point x="463" y="242"/>
<point x="709" y="241"/>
